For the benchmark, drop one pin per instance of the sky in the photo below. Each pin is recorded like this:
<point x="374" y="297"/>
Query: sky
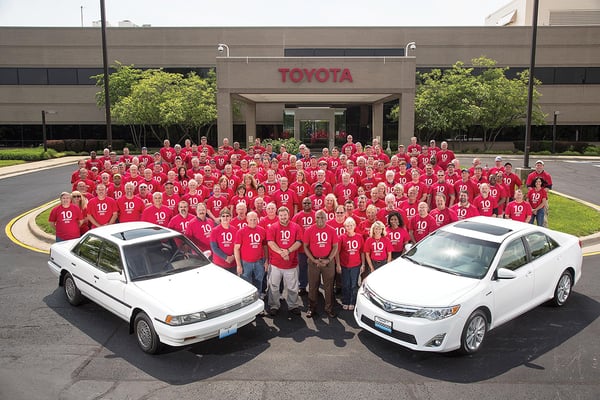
<point x="228" y="13"/>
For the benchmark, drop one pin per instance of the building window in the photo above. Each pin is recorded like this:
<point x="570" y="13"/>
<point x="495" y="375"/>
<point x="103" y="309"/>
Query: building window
<point x="62" y="76"/>
<point x="33" y="76"/>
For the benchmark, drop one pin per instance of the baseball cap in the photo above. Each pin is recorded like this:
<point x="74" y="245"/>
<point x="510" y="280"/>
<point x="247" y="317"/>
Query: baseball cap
<point x="318" y="185"/>
<point x="498" y="158"/>
<point x="144" y="148"/>
<point x="539" y="162"/>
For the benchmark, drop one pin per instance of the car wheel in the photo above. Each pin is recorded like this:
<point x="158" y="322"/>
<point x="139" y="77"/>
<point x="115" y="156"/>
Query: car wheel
<point x="474" y="333"/>
<point x="563" y="289"/>
<point x="145" y="334"/>
<point x="74" y="296"/>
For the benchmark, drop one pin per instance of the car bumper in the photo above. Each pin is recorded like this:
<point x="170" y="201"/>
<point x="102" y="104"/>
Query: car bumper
<point x="54" y="268"/>
<point x="414" y="333"/>
<point x="222" y="326"/>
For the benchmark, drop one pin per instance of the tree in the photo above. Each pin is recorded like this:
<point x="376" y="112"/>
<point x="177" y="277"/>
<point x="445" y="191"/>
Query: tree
<point x="155" y="101"/>
<point x="462" y="97"/>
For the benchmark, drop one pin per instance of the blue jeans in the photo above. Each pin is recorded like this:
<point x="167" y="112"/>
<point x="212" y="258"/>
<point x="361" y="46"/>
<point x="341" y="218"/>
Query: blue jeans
<point x="538" y="218"/>
<point x="350" y="284"/>
<point x="302" y="270"/>
<point x="253" y="272"/>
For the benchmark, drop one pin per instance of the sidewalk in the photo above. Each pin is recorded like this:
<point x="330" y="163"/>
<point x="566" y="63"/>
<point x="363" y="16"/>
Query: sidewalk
<point x="25" y="230"/>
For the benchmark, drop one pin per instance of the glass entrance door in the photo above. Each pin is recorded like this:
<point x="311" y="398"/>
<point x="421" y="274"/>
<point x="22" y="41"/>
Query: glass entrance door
<point x="314" y="133"/>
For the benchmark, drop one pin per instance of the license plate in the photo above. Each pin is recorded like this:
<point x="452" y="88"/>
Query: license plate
<point x="224" y="332"/>
<point x="383" y="324"/>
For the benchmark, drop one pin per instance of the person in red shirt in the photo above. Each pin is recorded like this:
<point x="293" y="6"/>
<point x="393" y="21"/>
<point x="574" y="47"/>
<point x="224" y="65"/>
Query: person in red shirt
<point x="304" y="218"/>
<point x="130" y="206"/>
<point x="285" y="196"/>
<point x="102" y="210"/>
<point x="467" y="185"/>
<point x="444" y="156"/>
<point x="200" y="228"/>
<point x="442" y="214"/>
<point x="518" y="209"/>
<point x="66" y="218"/>
<point x="378" y="248"/>
<point x="511" y="180"/>
<point x="463" y="208"/>
<point x="167" y="153"/>
<point x="300" y="186"/>
<point x="157" y="213"/>
<point x="284" y="238"/>
<point x="182" y="219"/>
<point x="170" y="197"/>
<point x="320" y="245"/>
<point x="251" y="254"/>
<point x="350" y="262"/>
<point x="204" y="145"/>
<point x="413" y="148"/>
<point x="441" y="186"/>
<point x="222" y="242"/>
<point x="485" y="203"/>
<point x="538" y="198"/>
<point x="397" y="233"/>
<point x="270" y="218"/>
<point x="421" y="224"/>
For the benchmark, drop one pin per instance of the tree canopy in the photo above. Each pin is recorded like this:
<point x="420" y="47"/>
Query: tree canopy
<point x="154" y="100"/>
<point x="482" y="96"/>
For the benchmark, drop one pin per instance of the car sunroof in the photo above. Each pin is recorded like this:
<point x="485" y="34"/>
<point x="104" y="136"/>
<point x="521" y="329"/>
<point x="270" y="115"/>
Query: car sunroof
<point x="483" y="228"/>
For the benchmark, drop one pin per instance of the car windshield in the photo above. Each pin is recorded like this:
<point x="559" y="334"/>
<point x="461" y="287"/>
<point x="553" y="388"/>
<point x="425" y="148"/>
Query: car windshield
<point x="454" y="254"/>
<point x="157" y="258"/>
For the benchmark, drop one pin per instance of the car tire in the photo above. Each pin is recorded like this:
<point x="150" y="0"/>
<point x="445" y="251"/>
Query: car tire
<point x="72" y="293"/>
<point x="562" y="292"/>
<point x="473" y="333"/>
<point x="145" y="334"/>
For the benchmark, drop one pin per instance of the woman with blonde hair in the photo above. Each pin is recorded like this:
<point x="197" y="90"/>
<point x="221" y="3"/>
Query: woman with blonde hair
<point x="81" y="201"/>
<point x="378" y="248"/>
<point x="330" y="206"/>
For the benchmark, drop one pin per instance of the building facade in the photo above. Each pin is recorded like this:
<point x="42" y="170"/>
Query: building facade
<point x="313" y="83"/>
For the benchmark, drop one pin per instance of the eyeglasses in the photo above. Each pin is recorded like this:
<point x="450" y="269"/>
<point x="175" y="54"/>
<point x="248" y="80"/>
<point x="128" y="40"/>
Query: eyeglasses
<point x="75" y="196"/>
<point x="339" y="212"/>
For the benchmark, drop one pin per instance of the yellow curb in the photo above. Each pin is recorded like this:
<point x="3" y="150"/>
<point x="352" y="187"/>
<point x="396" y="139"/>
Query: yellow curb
<point x="8" y="229"/>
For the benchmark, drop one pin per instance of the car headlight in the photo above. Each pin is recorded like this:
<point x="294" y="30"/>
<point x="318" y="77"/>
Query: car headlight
<point x="250" y="299"/>
<point x="366" y="291"/>
<point x="436" y="313"/>
<point x="177" y="320"/>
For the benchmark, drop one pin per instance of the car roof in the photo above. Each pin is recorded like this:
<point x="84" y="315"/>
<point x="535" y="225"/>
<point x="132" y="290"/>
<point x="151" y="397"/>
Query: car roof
<point x="489" y="228"/>
<point x="125" y="233"/>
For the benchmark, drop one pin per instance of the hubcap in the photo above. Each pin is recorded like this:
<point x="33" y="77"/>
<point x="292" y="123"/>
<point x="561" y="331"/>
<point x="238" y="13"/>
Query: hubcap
<point x="144" y="334"/>
<point x="564" y="288"/>
<point x="475" y="333"/>
<point x="70" y="288"/>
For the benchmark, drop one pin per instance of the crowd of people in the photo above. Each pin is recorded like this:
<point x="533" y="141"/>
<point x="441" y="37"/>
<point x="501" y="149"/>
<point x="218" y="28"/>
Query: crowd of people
<point x="296" y="220"/>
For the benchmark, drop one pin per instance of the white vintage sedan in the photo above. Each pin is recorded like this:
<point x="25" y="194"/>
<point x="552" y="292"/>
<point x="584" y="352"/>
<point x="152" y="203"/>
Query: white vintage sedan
<point x="157" y="280"/>
<point x="464" y="279"/>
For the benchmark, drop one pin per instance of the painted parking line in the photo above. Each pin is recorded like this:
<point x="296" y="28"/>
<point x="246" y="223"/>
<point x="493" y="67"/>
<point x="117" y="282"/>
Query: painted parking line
<point x="9" y="234"/>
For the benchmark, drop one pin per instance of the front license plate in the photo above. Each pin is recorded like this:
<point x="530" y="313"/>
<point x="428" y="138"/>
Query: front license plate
<point x="383" y="324"/>
<point x="224" y="332"/>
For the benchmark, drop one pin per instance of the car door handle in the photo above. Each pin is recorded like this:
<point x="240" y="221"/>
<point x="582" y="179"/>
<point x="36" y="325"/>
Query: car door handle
<point x="96" y="276"/>
<point x="73" y="264"/>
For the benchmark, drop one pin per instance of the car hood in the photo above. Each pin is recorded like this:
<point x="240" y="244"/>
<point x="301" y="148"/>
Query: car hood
<point x="202" y="289"/>
<point x="406" y="283"/>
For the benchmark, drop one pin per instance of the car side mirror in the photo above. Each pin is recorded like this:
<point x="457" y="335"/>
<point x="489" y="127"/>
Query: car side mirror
<point x="504" y="273"/>
<point x="115" y="276"/>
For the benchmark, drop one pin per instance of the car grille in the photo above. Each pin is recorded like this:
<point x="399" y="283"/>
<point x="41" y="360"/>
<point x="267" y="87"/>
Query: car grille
<point x="405" y="337"/>
<point x="390" y="307"/>
<point x="223" y="311"/>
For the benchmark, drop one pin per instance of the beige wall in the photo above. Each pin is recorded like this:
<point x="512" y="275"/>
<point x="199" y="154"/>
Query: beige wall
<point x="573" y="12"/>
<point x="196" y="47"/>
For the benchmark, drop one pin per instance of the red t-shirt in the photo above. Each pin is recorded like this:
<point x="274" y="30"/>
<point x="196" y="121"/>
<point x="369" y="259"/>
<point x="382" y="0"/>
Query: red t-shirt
<point x="320" y="241"/>
<point x="350" y="249"/>
<point x="251" y="241"/>
<point x="284" y="237"/>
<point x="67" y="221"/>
<point x="535" y="198"/>
<point x="225" y="239"/>
<point x="286" y="198"/>
<point x="518" y="211"/>
<point x="130" y="209"/>
<point x="378" y="249"/>
<point x="159" y="216"/>
<point x="102" y="210"/>
<point x="464" y="212"/>
<point x="443" y="217"/>
<point x="339" y="227"/>
<point x="179" y="223"/>
<point x="422" y="226"/>
<point x="485" y="206"/>
<point x="199" y="232"/>
<point x="398" y="237"/>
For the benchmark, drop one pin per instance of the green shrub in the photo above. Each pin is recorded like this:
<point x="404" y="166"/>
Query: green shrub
<point x="291" y="145"/>
<point x="76" y="145"/>
<point x="58" y="145"/>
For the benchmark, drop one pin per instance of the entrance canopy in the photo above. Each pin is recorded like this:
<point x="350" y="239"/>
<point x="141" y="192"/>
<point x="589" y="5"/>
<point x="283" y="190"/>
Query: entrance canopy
<point x="315" y="81"/>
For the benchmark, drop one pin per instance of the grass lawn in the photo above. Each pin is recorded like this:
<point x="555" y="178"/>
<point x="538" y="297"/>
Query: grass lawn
<point x="42" y="221"/>
<point x="8" y="163"/>
<point x="569" y="216"/>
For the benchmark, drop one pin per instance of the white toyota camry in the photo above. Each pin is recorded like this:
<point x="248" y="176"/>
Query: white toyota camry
<point x="157" y="280"/>
<point x="464" y="279"/>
